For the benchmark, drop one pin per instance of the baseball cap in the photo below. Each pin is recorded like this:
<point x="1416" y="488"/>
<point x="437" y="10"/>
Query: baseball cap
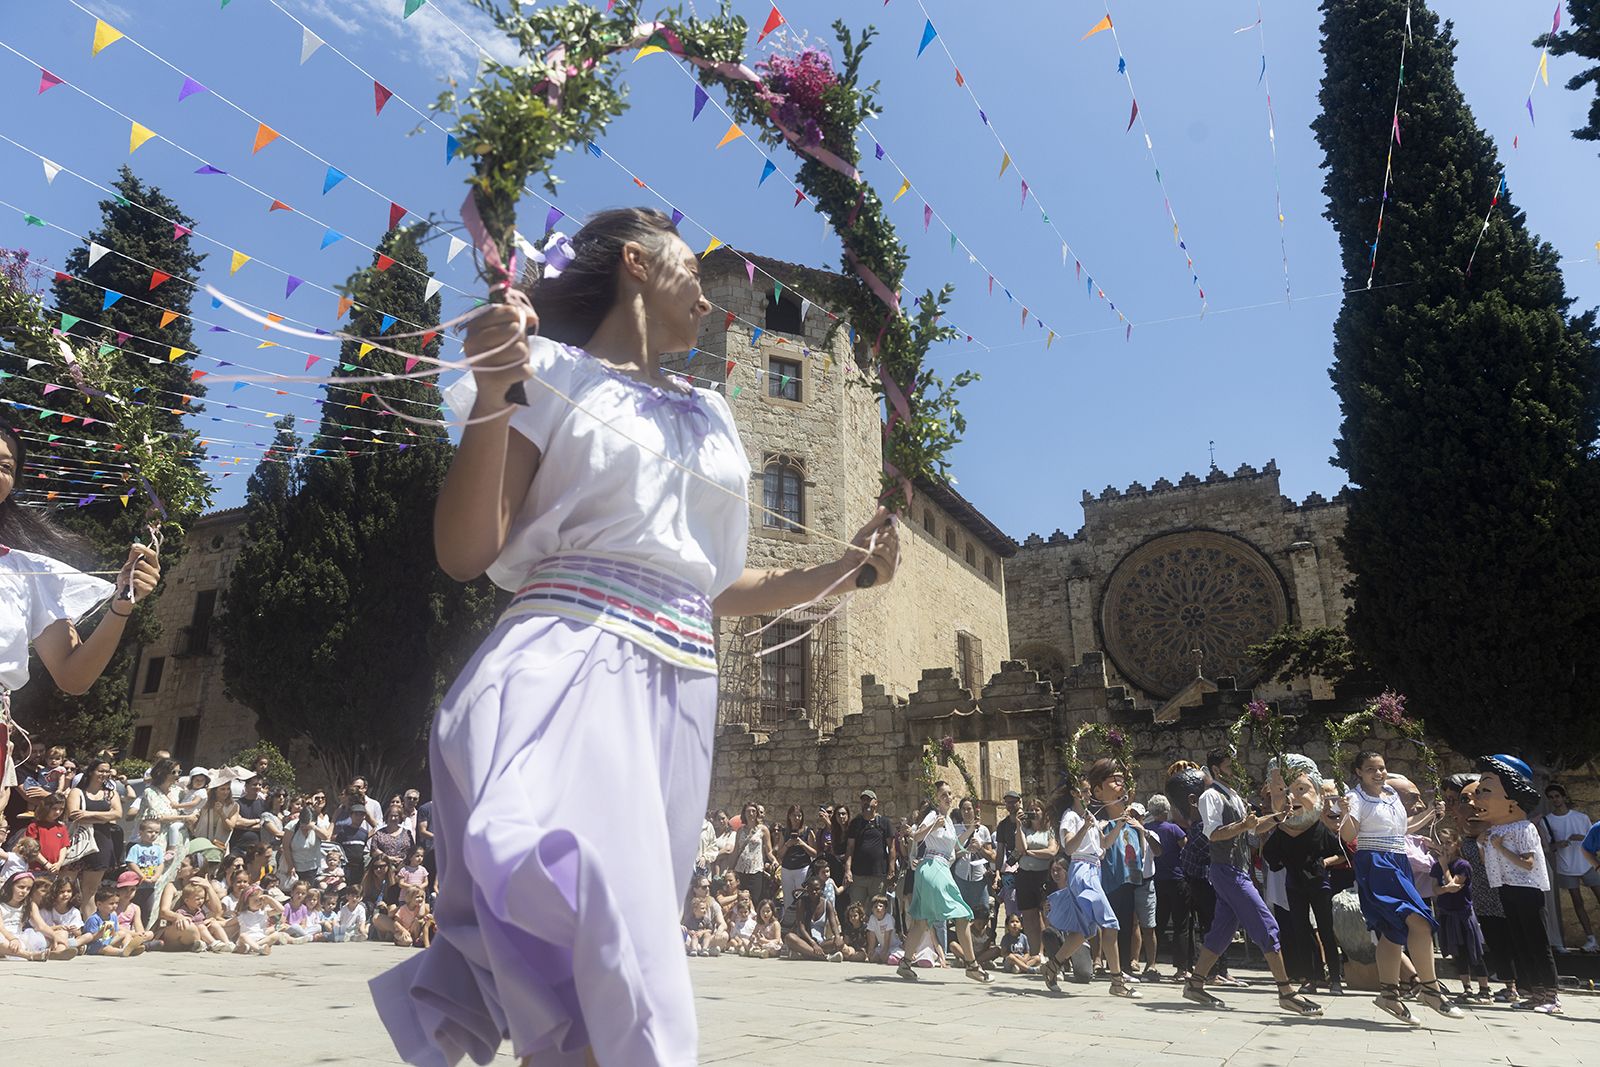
<point x="127" y="878"/>
<point x="1011" y="794"/>
<point x="869" y="794"/>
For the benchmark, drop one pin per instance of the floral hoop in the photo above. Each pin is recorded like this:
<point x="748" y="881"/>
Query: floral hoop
<point x="1389" y="709"/>
<point x="930" y="766"/>
<point x="1113" y="740"/>
<point x="1266" y="732"/>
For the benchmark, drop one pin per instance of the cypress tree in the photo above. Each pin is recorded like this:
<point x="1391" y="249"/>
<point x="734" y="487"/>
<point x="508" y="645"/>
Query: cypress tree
<point x="1469" y="407"/>
<point x="340" y="629"/>
<point x="137" y="236"/>
<point x="1582" y="38"/>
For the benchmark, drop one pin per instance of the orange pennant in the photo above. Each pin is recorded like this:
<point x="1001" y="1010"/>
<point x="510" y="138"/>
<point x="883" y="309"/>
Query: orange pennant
<point x="1102" y="25"/>
<point x="733" y="134"/>
<point x="166" y="316"/>
<point x="345" y="303"/>
<point x="265" y="135"/>
<point x="279" y="205"/>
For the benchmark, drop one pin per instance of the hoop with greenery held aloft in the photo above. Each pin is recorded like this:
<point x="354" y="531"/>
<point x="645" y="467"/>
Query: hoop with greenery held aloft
<point x="930" y="766"/>
<point x="1389" y="710"/>
<point x="1266" y="732"/>
<point x="1113" y="740"/>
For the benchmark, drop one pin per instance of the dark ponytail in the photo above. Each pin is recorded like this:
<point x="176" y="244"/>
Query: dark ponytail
<point x="26" y="528"/>
<point x="572" y="305"/>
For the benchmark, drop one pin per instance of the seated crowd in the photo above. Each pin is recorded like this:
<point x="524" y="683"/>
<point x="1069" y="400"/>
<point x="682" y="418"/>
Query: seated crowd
<point x="216" y="860"/>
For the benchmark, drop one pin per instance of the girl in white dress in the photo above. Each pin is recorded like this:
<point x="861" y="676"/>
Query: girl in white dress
<point x="42" y="599"/>
<point x="614" y="504"/>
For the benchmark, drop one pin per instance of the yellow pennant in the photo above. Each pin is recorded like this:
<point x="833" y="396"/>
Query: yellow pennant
<point x="1544" y="66"/>
<point x="1048" y="341"/>
<point x="905" y="187"/>
<point x="105" y="35"/>
<point x="365" y="348"/>
<point x="138" y="136"/>
<point x="239" y="260"/>
<point x="267" y="344"/>
<point x="124" y="499"/>
<point x="713" y="245"/>
<point x="173" y="353"/>
<point x="733" y="134"/>
<point x="648" y="50"/>
<point x="1005" y="161"/>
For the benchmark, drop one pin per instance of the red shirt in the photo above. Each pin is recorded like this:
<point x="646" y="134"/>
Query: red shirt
<point x="52" y="839"/>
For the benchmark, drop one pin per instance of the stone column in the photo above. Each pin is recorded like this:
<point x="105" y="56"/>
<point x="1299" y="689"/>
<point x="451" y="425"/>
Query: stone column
<point x="1080" y="618"/>
<point x="1308" y="601"/>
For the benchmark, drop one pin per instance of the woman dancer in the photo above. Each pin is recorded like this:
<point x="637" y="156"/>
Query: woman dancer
<point x="42" y="599"/>
<point x="1375" y="819"/>
<point x="614" y="503"/>
<point x="935" y="898"/>
<point x="1082" y="909"/>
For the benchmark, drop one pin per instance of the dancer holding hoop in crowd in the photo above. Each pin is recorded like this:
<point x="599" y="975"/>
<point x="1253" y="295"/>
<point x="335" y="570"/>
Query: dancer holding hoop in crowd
<point x="934" y="896"/>
<point x="43" y="598"/>
<point x="614" y="503"/>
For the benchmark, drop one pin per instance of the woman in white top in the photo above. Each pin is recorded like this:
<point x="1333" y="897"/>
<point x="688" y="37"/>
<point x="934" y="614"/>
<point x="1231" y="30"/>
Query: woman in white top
<point x="1376" y="822"/>
<point x="18" y="939"/>
<point x="1082" y="909"/>
<point x="612" y="498"/>
<point x="934" y="897"/>
<point x="975" y="851"/>
<point x="42" y="599"/>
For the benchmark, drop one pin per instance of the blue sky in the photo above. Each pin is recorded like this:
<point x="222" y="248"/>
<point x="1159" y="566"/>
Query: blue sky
<point x="1043" y="424"/>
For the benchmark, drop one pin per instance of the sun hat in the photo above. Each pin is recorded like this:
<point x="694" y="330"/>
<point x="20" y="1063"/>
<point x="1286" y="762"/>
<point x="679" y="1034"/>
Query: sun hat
<point x="199" y="771"/>
<point x="127" y="878"/>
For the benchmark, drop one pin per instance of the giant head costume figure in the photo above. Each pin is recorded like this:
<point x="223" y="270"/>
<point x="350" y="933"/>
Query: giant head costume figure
<point x="1185" y="783"/>
<point x="1296" y="787"/>
<point x="1505" y="791"/>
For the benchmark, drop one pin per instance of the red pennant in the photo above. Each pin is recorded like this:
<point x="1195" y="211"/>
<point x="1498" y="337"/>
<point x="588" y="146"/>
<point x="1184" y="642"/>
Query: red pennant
<point x="63" y="276"/>
<point x="959" y="79"/>
<point x="731" y="365"/>
<point x="384" y="262"/>
<point x="380" y="96"/>
<point x="728" y="323"/>
<point x="798" y="196"/>
<point x="157" y="277"/>
<point x="774" y="20"/>
<point x="279" y="205"/>
<point x="396" y="213"/>
<point x="364" y="398"/>
<point x="430" y="335"/>
<point x="196" y="375"/>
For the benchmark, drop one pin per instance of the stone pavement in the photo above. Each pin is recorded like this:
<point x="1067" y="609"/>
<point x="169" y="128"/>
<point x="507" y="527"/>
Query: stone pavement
<point x="308" y="1005"/>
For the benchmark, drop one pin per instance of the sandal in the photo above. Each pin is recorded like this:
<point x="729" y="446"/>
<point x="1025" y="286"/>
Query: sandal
<point x="1150" y="975"/>
<point x="1411" y="988"/>
<point x="1194" y="989"/>
<point x="1433" y="995"/>
<point x="1050" y="968"/>
<point x="978" y="974"/>
<point x="906" y="971"/>
<point x="1291" y="1001"/>
<point x="1119" y="988"/>
<point x="1389" y="1000"/>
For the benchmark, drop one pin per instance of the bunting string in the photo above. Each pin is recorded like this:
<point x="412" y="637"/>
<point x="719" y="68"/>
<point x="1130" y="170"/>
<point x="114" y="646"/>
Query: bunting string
<point x="1265" y="81"/>
<point x="1394" y="141"/>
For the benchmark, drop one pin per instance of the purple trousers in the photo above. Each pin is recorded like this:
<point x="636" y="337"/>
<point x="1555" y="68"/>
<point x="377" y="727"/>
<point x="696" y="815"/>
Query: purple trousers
<point x="1238" y="904"/>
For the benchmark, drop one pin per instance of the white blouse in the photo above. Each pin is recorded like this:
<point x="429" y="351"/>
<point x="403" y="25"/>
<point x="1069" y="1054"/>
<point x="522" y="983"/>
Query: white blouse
<point x="1519" y="836"/>
<point x="599" y="488"/>
<point x="941" y="839"/>
<point x="1381" y="822"/>
<point x="1089" y="846"/>
<point x="36" y="591"/>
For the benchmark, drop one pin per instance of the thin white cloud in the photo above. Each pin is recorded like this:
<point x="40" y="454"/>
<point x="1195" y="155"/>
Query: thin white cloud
<point x="112" y="13"/>
<point x="428" y="35"/>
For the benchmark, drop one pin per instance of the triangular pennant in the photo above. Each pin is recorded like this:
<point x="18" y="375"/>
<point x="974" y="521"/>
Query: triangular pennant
<point x="1544" y="67"/>
<point x="345" y="304"/>
<point x="411" y="361"/>
<point x="768" y="169"/>
<point x="137" y="136"/>
<point x="330" y="237"/>
<point x="189" y="88"/>
<point x="365" y="348"/>
<point x="279" y="205"/>
<point x="774" y="20"/>
<point x="206" y="168"/>
<point x="157" y="277"/>
<point x="384" y="263"/>
<point x="96" y="251"/>
<point x="47" y="81"/>
<point x="196" y="375"/>
<point x="388" y="321"/>
<point x="167" y="318"/>
<point x="412" y="6"/>
<point x="396" y="213"/>
<point x="309" y="43"/>
<point x="928" y="34"/>
<point x="239" y="260"/>
<point x="427" y="338"/>
<point x="927" y="216"/>
<point x="332" y="178"/>
<point x="105" y="35"/>
<point x="451" y="147"/>
<point x="380" y="96"/>
<point x="805" y="306"/>
<point x="50" y="171"/>
<point x="69" y="321"/>
<point x="173" y="353"/>
<point x="1099" y="27"/>
<point x="291" y="285"/>
<point x="310" y="360"/>
<point x="456" y="246"/>
<point x="711" y="245"/>
<point x="733" y="134"/>
<point x="434" y="285"/>
<point x="1005" y="161"/>
<point x="180" y="231"/>
<point x="750" y="271"/>
<point x="265" y="135"/>
<point x="1132" y="115"/>
<point x="700" y="98"/>
<point x="905" y="187"/>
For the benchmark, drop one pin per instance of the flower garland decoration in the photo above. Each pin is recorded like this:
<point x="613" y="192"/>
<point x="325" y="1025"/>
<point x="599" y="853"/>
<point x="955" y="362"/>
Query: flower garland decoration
<point x="1389" y="709"/>
<point x="1113" y="740"/>
<point x="1266" y="733"/>
<point x="930" y="766"/>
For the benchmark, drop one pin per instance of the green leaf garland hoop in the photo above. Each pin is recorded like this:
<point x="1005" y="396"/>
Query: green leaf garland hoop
<point x="930" y="766"/>
<point x="1266" y="732"/>
<point x="1113" y="740"/>
<point x="1389" y="709"/>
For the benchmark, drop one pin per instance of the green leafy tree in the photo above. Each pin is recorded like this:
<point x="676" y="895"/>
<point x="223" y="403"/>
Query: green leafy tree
<point x="339" y="629"/>
<point x="1582" y="38"/>
<point x="1290" y="653"/>
<point x="123" y="350"/>
<point x="1469" y="406"/>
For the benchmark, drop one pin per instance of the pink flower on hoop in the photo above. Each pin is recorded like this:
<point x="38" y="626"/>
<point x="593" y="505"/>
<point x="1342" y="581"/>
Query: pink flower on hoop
<point x="794" y="91"/>
<point x="948" y="746"/>
<point x="1390" y="707"/>
<point x="1259" y="710"/>
<point x="1114" y="738"/>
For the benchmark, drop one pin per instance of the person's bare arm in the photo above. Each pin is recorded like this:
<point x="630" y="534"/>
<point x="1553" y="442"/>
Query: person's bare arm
<point x="74" y="662"/>
<point x="759" y="591"/>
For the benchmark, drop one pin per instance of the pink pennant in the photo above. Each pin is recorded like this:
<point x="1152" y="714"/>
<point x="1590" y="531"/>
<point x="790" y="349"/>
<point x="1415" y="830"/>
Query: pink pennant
<point x="380" y="96"/>
<point x="310" y="360"/>
<point x="47" y="80"/>
<point x="750" y="270"/>
<point x="411" y="361"/>
<point x="1396" y="128"/>
<point x="179" y="232"/>
<point x="927" y="217"/>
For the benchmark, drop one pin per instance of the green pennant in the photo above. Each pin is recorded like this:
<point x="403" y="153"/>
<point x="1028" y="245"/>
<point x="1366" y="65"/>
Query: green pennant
<point x="738" y="389"/>
<point x="105" y="349"/>
<point x="33" y="220"/>
<point x="69" y="321"/>
<point x="777" y="291"/>
<point x="412" y="6"/>
<point x="52" y="437"/>
<point x="952" y="240"/>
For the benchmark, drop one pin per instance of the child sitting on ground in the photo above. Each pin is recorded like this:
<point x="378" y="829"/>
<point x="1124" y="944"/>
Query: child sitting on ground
<point x="256" y="914"/>
<point x="24" y="856"/>
<point x="1015" y="950"/>
<point x="767" y="941"/>
<point x="319" y="920"/>
<point x="350" y="922"/>
<point x="882" y="940"/>
<point x="699" y="928"/>
<point x="129" y="915"/>
<point x="331" y="880"/>
<point x="104" y="931"/>
<point x="741" y="924"/>
<point x="209" y="929"/>
<point x="413" y="922"/>
<point x="855" y="933"/>
<point x="40" y="907"/>
<point x="297" y="916"/>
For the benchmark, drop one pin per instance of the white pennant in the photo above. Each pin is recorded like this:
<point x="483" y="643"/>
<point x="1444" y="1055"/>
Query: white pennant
<point x="805" y="306"/>
<point x="434" y="285"/>
<point x="1063" y="253"/>
<point x="32" y="363"/>
<point x="309" y="43"/>
<point x="50" y="171"/>
<point x="456" y="245"/>
<point x="95" y="252"/>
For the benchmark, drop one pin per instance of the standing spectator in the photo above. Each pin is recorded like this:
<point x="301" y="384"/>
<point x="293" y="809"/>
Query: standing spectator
<point x="1566" y="829"/>
<point x="220" y="817"/>
<point x="839" y="836"/>
<point x="1172" y="891"/>
<point x="391" y="840"/>
<point x="252" y="804"/>
<point x="51" y="833"/>
<point x="359" y="785"/>
<point x="753" y="853"/>
<point x="1005" y="858"/>
<point x="1034" y="846"/>
<point x="425" y="835"/>
<point x="94" y="803"/>
<point x="1144" y="899"/>
<point x="797" y="848"/>
<point x="869" y="866"/>
<point x="410" y="802"/>
<point x="159" y="805"/>
<point x="822" y="835"/>
<point x="975" y="852"/>
<point x="717" y="854"/>
<point x="352" y="823"/>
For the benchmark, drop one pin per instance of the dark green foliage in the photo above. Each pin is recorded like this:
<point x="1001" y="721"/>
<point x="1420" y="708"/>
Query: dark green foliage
<point x="339" y="627"/>
<point x="1469" y="410"/>
<point x="1323" y="651"/>
<point x="102" y="717"/>
<point x="280" y="772"/>
<point x="1582" y="38"/>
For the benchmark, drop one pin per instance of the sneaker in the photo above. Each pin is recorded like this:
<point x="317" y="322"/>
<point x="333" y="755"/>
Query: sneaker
<point x="836" y="957"/>
<point x="221" y="946"/>
<point x="1591" y="945"/>
<point x="1335" y="989"/>
<point x="1549" y="1007"/>
<point x="198" y="946"/>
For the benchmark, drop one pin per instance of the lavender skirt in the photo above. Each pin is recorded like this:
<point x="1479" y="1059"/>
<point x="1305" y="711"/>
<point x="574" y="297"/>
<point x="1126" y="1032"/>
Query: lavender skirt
<point x="570" y="772"/>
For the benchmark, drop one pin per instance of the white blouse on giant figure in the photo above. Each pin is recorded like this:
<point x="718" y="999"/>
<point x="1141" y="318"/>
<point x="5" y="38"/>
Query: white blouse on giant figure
<point x="36" y="591"/>
<point x="598" y="491"/>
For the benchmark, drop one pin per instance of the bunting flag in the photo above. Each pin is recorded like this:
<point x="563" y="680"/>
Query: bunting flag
<point x="309" y="43"/>
<point x="47" y="81"/>
<point x="366" y="347"/>
<point x="190" y="87"/>
<point x="432" y="288"/>
<point x="50" y="171"/>
<point x="291" y="285"/>
<point x="265" y="135"/>
<point x="332" y="178"/>
<point x="1099" y="27"/>
<point x="68" y="322"/>
<point x="396" y="213"/>
<point x="700" y="99"/>
<point x="156" y="278"/>
<point x="329" y="238"/>
<point x="648" y="50"/>
<point x="1272" y="142"/>
<point x="1394" y="139"/>
<point x="380" y="96"/>
<point x="384" y="263"/>
<point x="768" y="169"/>
<point x="345" y="304"/>
<point x="711" y="246"/>
<point x="733" y="134"/>
<point x="456" y="247"/>
<point x="905" y="187"/>
<point x="95" y="252"/>
<point x="105" y="35"/>
<point x="451" y="147"/>
<point x="279" y="205"/>
<point x="750" y="271"/>
<point x="412" y="6"/>
<point x="1134" y="114"/>
<point x="1005" y="161"/>
<point x="206" y="168"/>
<point x="388" y="321"/>
<point x="111" y="297"/>
<point x="239" y="260"/>
<point x="774" y="20"/>
<point x="137" y="136"/>
<point x="168" y="318"/>
<point x="928" y="34"/>
<point x="927" y="216"/>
